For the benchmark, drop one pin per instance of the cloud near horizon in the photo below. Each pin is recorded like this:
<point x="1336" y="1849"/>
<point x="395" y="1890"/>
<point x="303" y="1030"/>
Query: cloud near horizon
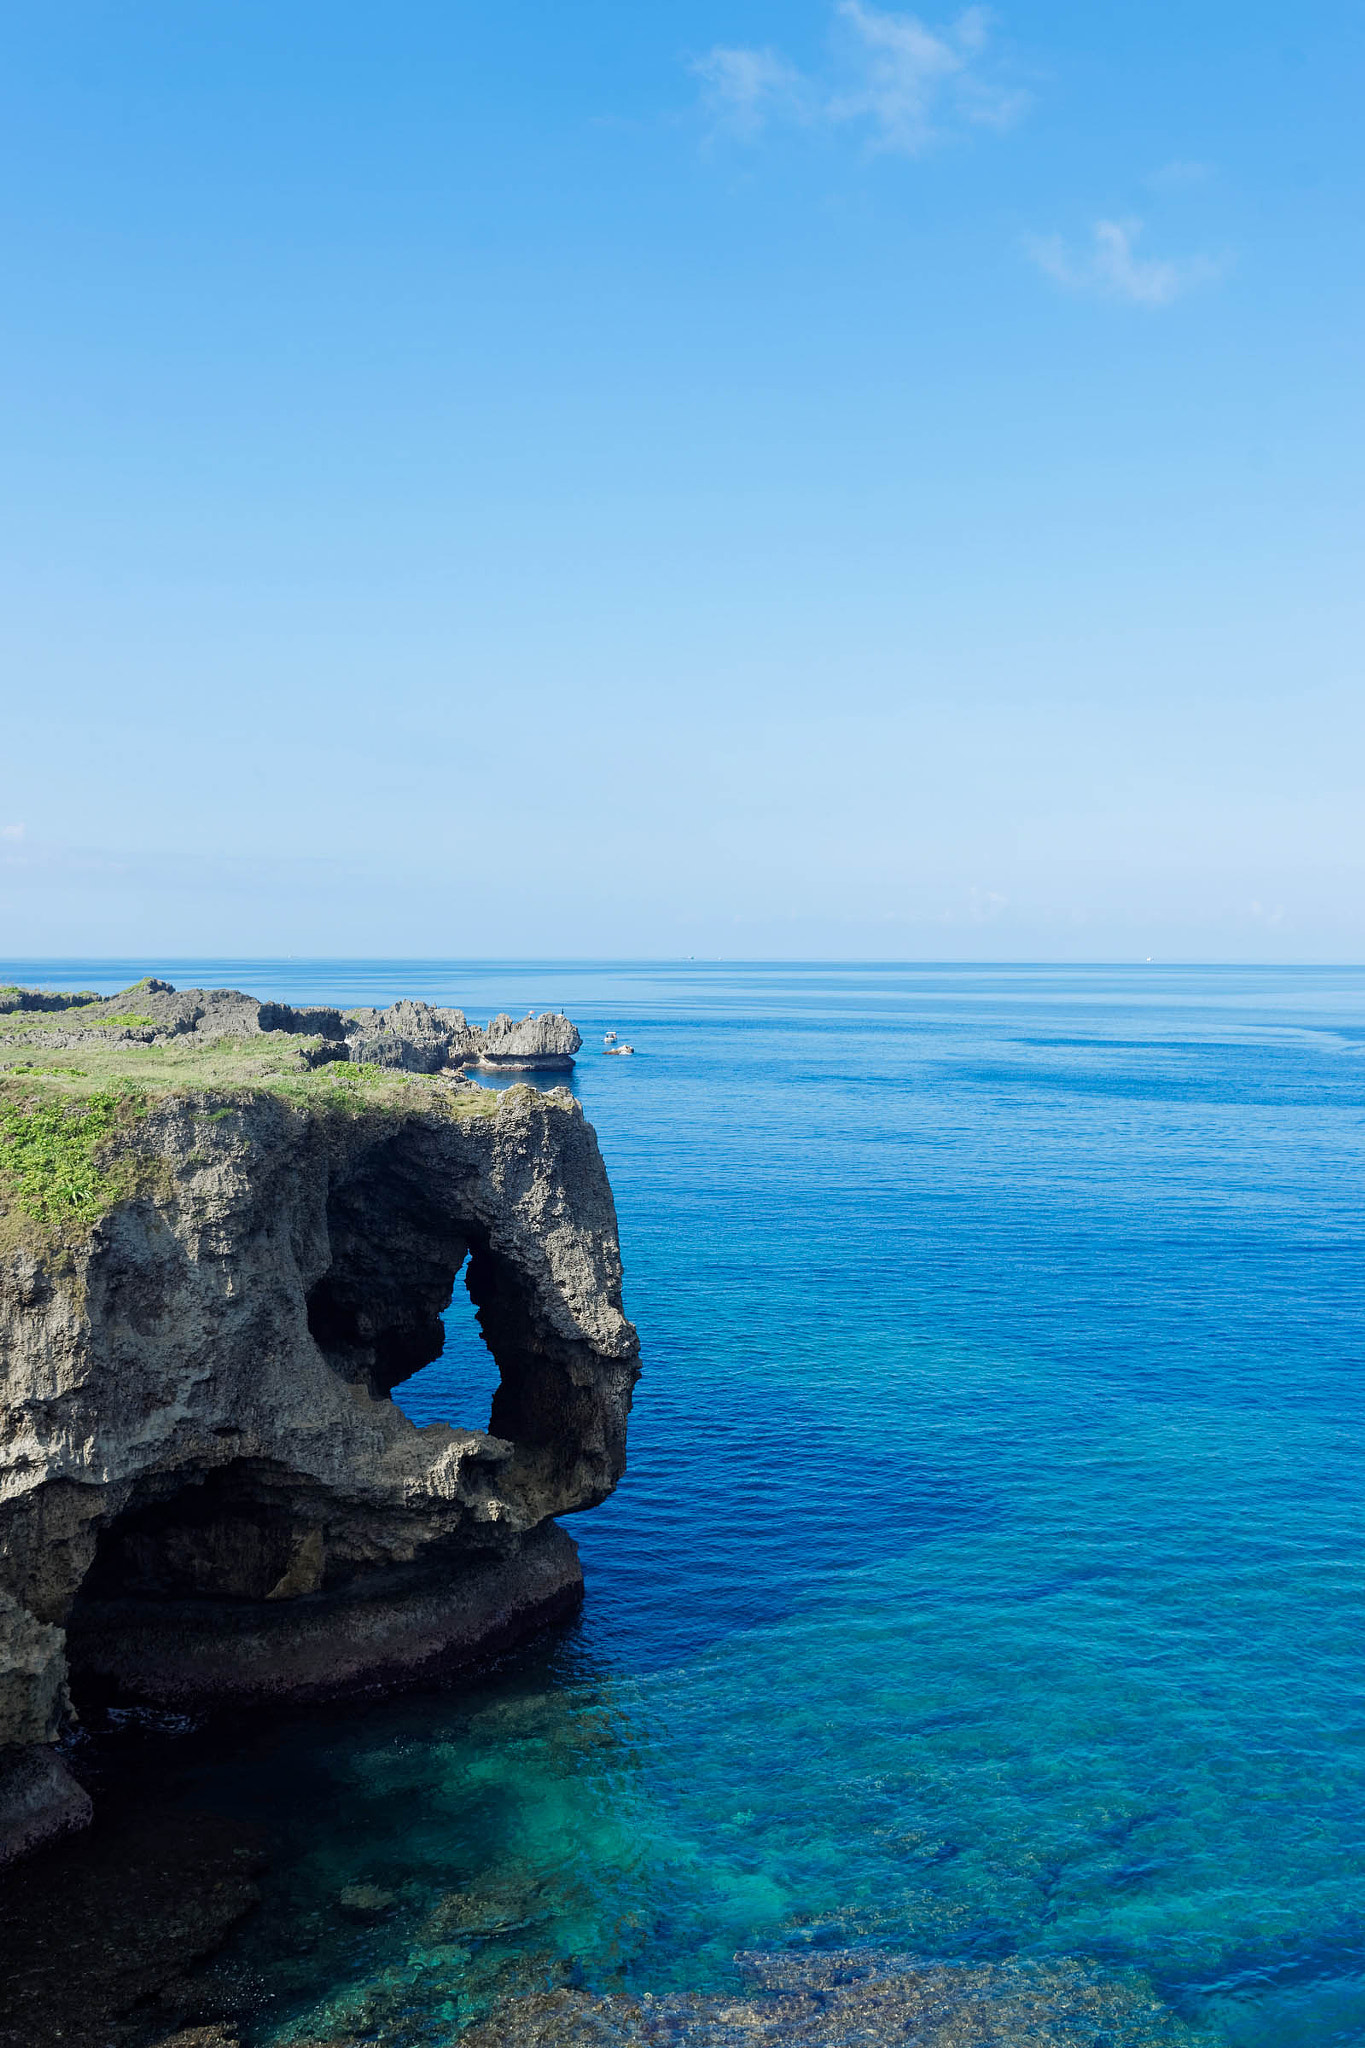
<point x="905" y="84"/>
<point x="1113" y="268"/>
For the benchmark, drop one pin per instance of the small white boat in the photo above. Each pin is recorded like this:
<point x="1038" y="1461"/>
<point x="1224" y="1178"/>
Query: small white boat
<point x="617" y="1052"/>
<point x="610" y="1038"/>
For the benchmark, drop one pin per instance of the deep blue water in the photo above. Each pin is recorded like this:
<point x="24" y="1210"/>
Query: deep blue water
<point x="990" y="1572"/>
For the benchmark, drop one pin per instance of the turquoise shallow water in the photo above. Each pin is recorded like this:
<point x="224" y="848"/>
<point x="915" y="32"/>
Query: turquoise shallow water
<point x="990" y="1574"/>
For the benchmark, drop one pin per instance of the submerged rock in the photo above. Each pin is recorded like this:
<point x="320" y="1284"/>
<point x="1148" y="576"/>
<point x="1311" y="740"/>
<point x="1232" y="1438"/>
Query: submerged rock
<point x="97" y="1935"/>
<point x="836" y="2001"/>
<point x="465" y="1916"/>
<point x="206" y="1494"/>
<point x="366" y="1901"/>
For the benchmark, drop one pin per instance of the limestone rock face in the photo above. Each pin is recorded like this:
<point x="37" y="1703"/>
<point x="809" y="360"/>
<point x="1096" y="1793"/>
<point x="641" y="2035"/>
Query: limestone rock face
<point x="32" y="1675"/>
<point x="153" y="1011"/>
<point x="548" y="1041"/>
<point x="415" y="1037"/>
<point x="205" y="1491"/>
<point x="424" y="1040"/>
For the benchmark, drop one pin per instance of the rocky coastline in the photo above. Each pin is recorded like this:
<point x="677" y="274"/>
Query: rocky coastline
<point x="415" y="1037"/>
<point x="228" y="1230"/>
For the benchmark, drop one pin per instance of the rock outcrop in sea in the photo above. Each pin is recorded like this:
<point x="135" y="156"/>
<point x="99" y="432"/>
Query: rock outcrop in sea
<point x="227" y="1231"/>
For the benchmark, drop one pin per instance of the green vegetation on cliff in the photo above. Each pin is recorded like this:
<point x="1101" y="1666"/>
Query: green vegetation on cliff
<point x="277" y="1063"/>
<point x="15" y="1023"/>
<point x="49" y="1000"/>
<point x="48" y="1152"/>
<point x="68" y="1118"/>
<point x="84" y="1081"/>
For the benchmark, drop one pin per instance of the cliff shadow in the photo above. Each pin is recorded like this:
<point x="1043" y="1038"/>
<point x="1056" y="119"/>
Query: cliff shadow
<point x="396" y="1244"/>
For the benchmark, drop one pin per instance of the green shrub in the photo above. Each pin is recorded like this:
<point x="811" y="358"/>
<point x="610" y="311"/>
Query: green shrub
<point x="48" y="1150"/>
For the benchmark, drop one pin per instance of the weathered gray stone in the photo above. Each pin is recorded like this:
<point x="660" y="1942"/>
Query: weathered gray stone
<point x="423" y="1040"/>
<point x="411" y="1035"/>
<point x="15" y="999"/>
<point x="203" y="1482"/>
<point x="549" y="1041"/>
<point x="32" y="1676"/>
<point x="211" y="1012"/>
<point x="414" y="1037"/>
<point x="153" y="1012"/>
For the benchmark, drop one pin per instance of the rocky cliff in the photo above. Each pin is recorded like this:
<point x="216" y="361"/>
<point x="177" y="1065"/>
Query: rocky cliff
<point x="418" y="1038"/>
<point x="216" y="1262"/>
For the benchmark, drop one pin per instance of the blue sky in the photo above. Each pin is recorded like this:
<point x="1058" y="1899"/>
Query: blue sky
<point x="723" y="479"/>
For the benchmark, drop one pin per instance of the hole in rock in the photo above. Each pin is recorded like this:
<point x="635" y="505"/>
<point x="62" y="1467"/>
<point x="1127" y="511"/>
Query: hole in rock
<point x="458" y="1386"/>
<point x="391" y="1311"/>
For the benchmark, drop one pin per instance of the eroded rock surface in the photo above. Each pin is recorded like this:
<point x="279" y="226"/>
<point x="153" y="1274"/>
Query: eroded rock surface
<point x="205" y="1491"/>
<point x="415" y="1037"/>
<point x="548" y="1041"/>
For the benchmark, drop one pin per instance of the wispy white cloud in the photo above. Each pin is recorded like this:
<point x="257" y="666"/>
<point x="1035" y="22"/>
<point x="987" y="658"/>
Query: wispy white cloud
<point x="744" y="90"/>
<point x="11" y="831"/>
<point x="915" y="80"/>
<point x="1113" y="267"/>
<point x="904" y="84"/>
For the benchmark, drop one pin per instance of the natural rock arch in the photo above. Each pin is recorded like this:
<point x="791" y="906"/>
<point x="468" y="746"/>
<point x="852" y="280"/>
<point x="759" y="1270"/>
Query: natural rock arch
<point x="206" y="1486"/>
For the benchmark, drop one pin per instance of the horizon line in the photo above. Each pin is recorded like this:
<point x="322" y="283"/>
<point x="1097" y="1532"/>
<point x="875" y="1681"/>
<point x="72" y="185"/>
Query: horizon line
<point x="390" y="960"/>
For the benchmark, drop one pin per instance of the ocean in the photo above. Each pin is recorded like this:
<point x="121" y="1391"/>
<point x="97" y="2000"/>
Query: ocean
<point x="989" y="1577"/>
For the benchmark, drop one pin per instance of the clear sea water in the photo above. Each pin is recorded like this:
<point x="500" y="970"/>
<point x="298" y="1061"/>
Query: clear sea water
<point x="989" y="1577"/>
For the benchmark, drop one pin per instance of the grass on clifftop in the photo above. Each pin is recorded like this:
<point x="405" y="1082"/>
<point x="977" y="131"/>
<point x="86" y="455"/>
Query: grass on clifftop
<point x="17" y="1022"/>
<point x="276" y="1063"/>
<point x="63" y="1109"/>
<point x="49" y="1153"/>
